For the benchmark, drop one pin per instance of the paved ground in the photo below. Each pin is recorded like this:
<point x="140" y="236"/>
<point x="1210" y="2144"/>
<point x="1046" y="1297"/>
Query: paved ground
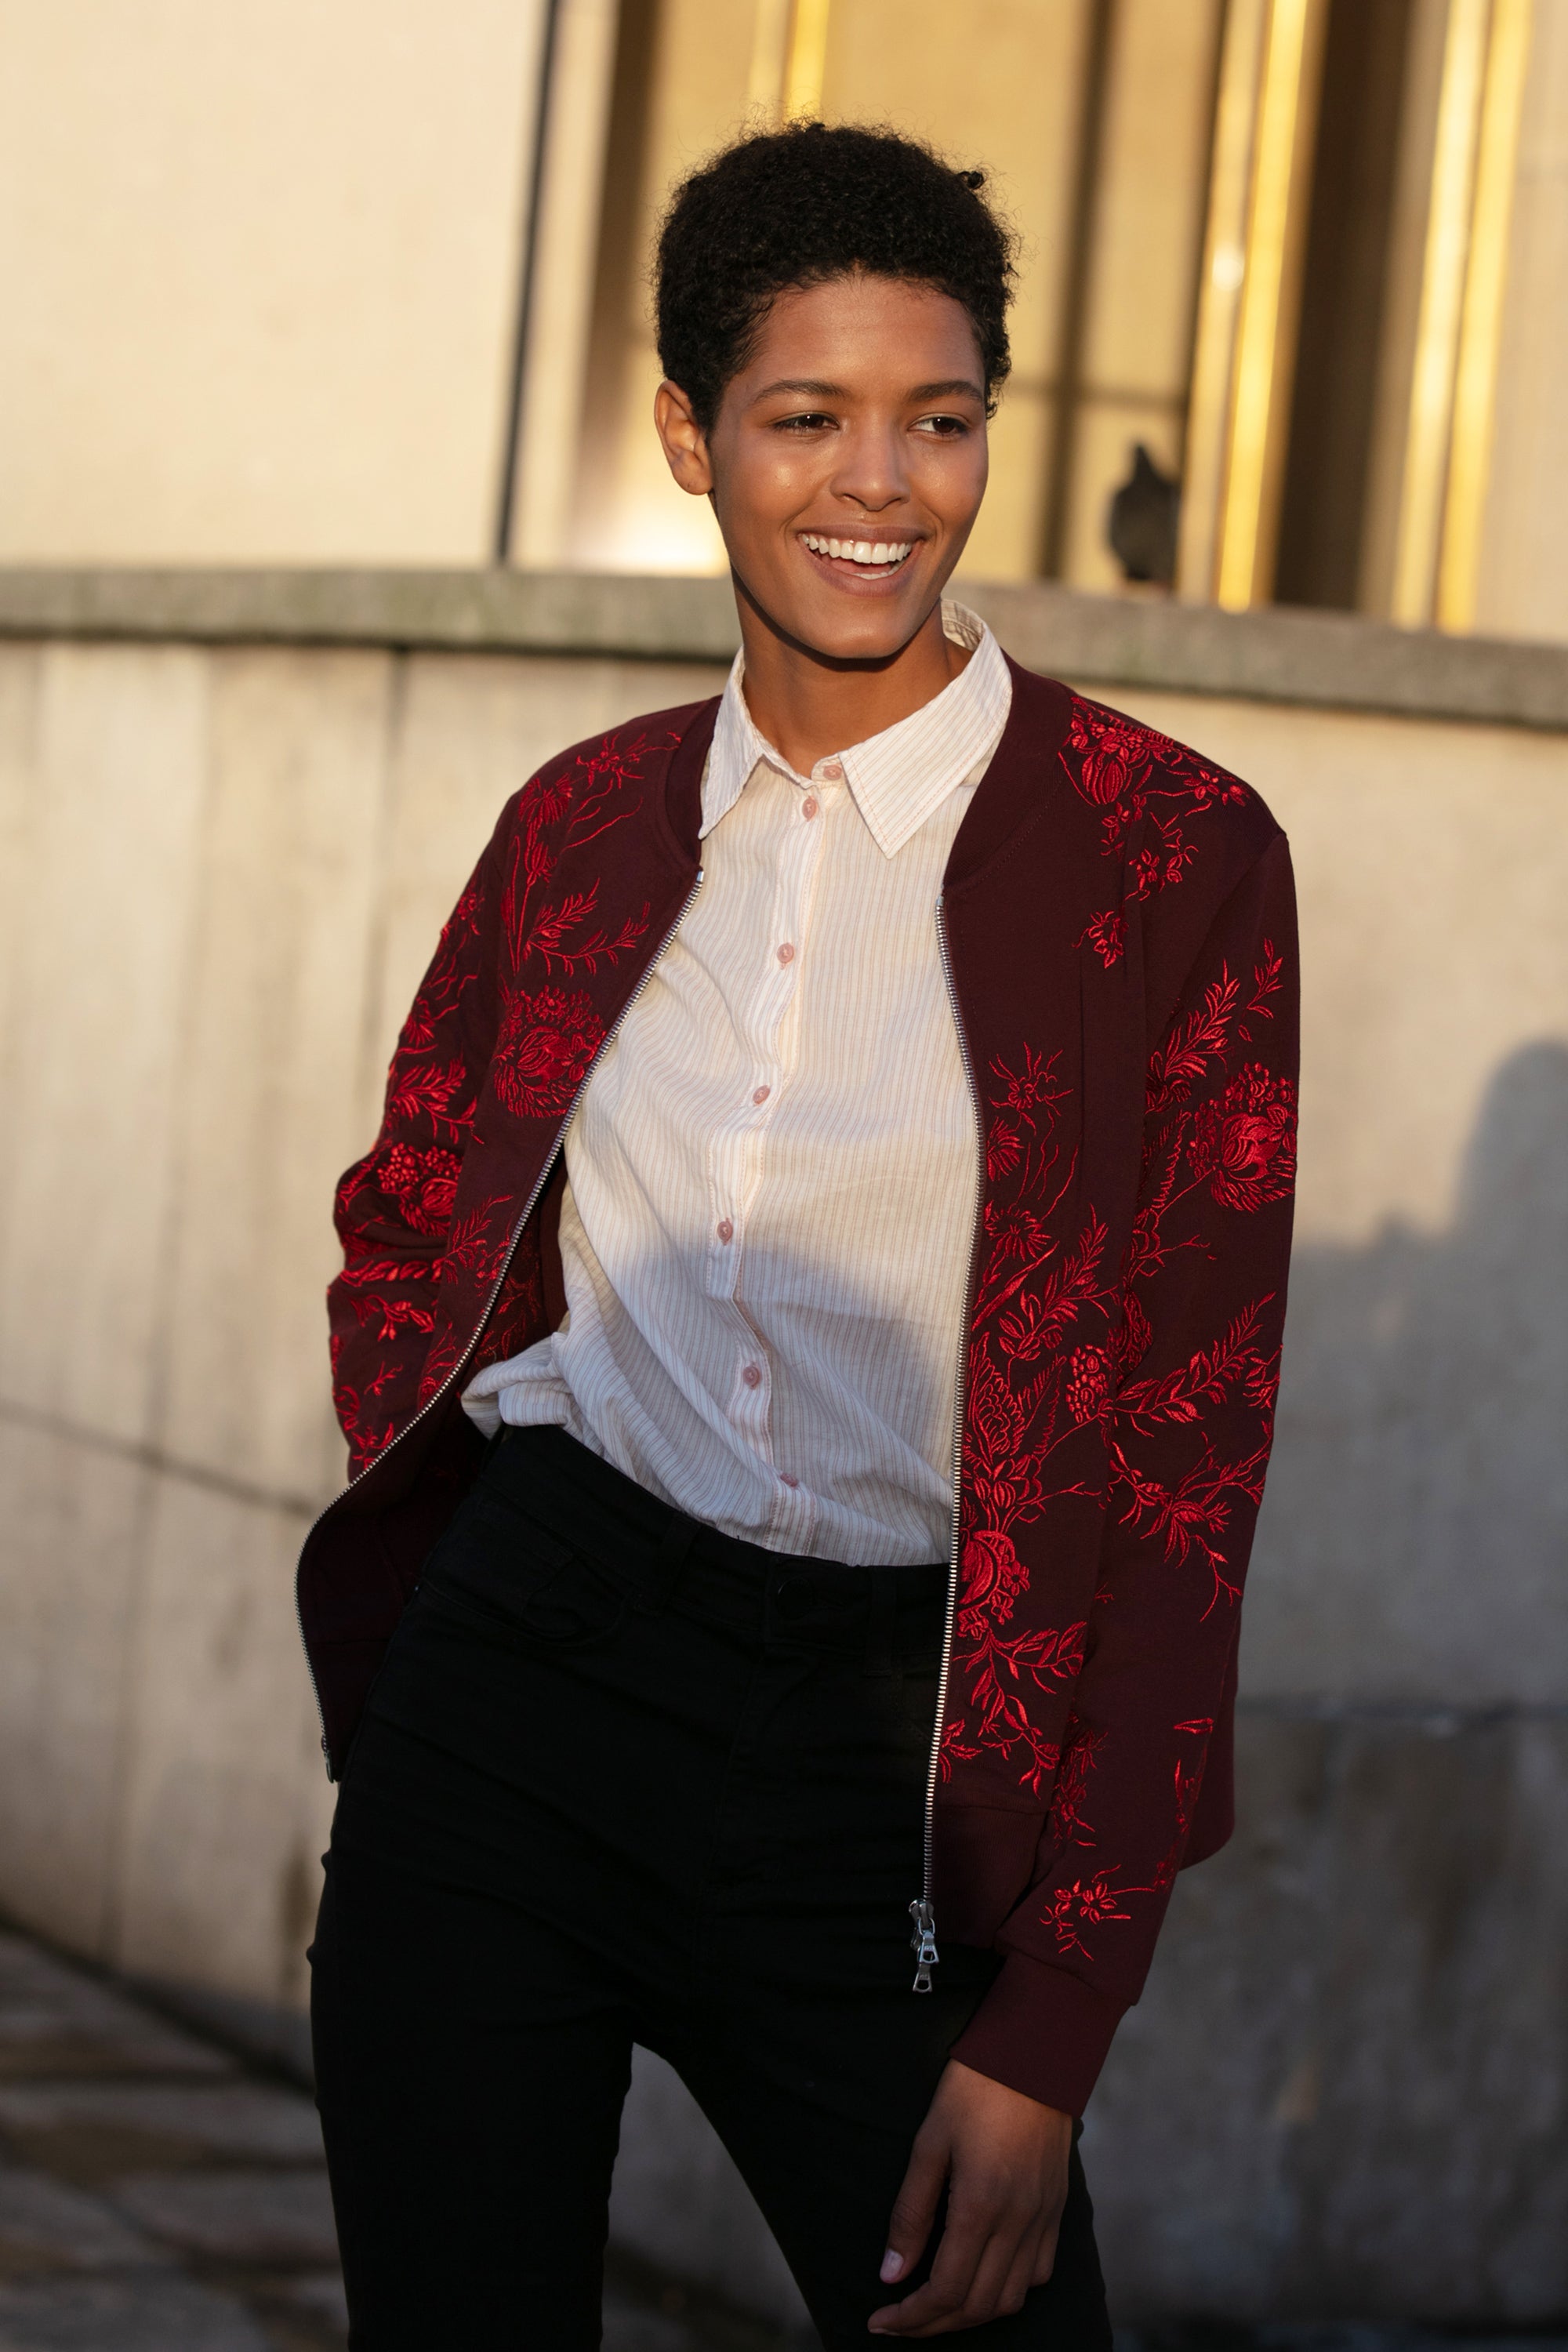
<point x="157" y="2196"/>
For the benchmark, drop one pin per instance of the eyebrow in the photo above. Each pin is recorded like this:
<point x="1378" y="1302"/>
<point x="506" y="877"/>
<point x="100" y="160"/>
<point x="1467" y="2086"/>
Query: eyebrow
<point x="814" y="386"/>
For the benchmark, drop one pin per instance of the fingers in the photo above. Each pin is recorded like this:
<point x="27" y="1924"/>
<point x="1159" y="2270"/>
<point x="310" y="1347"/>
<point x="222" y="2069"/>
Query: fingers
<point x="914" y="2208"/>
<point x="984" y="2268"/>
<point x="1004" y="2158"/>
<point x="1045" y="2254"/>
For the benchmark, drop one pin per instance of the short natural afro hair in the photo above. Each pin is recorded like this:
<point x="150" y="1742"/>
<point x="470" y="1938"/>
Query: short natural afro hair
<point x="799" y="206"/>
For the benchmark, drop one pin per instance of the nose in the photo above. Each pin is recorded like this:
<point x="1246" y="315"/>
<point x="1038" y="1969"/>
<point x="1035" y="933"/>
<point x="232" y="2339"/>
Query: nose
<point x="870" y="472"/>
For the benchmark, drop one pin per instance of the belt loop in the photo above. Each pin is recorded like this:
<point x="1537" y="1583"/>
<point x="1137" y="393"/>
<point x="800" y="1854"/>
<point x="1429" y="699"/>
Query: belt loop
<point x="670" y="1558"/>
<point x="881" y="1620"/>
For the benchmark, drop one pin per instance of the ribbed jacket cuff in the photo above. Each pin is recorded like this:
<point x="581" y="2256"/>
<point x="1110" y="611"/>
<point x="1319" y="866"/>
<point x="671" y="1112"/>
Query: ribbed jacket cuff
<point x="1041" y="2032"/>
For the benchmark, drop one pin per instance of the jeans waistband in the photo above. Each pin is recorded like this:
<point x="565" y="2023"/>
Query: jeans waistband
<point x="888" y="1613"/>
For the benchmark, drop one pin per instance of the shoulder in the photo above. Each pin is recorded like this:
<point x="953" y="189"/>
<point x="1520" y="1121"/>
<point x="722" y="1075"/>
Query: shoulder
<point x="612" y="771"/>
<point x="1179" y="832"/>
<point x="1137" y="774"/>
<point x="1144" y="842"/>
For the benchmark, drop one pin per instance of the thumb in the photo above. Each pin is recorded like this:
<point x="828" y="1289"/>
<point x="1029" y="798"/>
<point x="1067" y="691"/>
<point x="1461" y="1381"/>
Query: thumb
<point x="914" y="2208"/>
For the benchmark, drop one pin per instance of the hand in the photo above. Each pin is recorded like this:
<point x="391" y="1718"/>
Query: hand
<point x="1003" y="2159"/>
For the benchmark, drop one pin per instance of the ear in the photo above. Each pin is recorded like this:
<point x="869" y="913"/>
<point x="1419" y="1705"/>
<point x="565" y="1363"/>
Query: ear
<point x="685" y="443"/>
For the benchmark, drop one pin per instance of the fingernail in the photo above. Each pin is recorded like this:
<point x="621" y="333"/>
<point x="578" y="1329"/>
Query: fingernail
<point x="892" y="2267"/>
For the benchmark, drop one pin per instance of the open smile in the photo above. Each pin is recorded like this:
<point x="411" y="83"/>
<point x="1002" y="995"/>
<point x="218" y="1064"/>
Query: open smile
<point x="871" y="559"/>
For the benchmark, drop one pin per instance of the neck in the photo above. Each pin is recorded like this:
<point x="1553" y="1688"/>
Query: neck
<point x="809" y="705"/>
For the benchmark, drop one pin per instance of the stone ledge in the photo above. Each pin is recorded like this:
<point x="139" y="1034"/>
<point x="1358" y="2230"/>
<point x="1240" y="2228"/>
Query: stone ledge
<point x="1326" y="660"/>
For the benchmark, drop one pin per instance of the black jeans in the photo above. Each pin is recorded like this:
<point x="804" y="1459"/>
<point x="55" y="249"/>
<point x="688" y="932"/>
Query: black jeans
<point x="621" y="1780"/>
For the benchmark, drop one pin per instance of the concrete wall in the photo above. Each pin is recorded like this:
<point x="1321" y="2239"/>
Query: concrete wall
<point x="222" y="869"/>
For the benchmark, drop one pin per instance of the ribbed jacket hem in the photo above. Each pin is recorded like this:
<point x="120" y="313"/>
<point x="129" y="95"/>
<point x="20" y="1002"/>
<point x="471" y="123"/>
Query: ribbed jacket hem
<point x="1041" y="2030"/>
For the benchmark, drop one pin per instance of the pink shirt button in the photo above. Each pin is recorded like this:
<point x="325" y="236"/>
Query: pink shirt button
<point x="832" y="770"/>
<point x="808" y="807"/>
<point x="762" y="1093"/>
<point x="786" y="1480"/>
<point x="752" y="1376"/>
<point x="787" y="953"/>
<point x="726" y="1230"/>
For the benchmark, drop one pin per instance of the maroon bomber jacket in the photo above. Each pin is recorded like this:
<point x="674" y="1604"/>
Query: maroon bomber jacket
<point x="1120" y="928"/>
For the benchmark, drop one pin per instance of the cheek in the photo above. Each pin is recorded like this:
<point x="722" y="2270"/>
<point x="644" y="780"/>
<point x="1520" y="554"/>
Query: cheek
<point x="765" y="487"/>
<point x="953" y="479"/>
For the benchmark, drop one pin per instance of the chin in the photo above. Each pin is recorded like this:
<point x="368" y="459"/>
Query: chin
<point x="875" y="635"/>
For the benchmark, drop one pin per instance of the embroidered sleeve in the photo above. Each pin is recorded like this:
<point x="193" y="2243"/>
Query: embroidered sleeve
<point x="395" y="1207"/>
<point x="1185" y="1388"/>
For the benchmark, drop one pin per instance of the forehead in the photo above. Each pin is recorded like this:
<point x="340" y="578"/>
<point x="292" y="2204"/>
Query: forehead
<point x="860" y="328"/>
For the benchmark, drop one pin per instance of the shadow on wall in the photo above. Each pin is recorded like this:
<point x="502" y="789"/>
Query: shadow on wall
<point x="1345" y="2092"/>
<point x="1412" y="1543"/>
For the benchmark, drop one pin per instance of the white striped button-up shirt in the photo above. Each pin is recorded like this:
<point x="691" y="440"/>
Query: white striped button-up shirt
<point x="772" y="1176"/>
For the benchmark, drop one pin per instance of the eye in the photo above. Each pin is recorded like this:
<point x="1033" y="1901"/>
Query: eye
<point x="812" y="420"/>
<point x="943" y="428"/>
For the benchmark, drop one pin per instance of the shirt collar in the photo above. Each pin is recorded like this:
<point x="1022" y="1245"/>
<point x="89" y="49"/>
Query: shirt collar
<point x="899" y="778"/>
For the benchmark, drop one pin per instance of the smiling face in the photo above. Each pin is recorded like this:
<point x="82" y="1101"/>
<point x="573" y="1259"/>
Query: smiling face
<point x="847" y="463"/>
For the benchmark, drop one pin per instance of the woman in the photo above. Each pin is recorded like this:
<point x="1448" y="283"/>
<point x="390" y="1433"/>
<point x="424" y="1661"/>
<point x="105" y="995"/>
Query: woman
<point x="808" y="1336"/>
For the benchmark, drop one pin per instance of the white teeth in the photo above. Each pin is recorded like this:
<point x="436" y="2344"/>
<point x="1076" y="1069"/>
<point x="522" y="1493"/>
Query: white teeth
<point x="859" y="550"/>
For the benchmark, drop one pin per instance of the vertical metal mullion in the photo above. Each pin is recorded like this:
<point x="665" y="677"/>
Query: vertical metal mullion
<point x="501" y="544"/>
<point x="1077" y="286"/>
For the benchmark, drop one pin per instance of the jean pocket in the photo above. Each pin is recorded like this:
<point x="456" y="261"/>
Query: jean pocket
<point x="506" y="1576"/>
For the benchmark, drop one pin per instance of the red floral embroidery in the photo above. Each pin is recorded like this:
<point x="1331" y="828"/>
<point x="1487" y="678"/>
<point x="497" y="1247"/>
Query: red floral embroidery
<point x="478" y="1239"/>
<point x="426" y="1183"/>
<point x="1033" y="1296"/>
<point x="561" y="814"/>
<point x="1089" y="1383"/>
<point x="366" y="1437"/>
<point x="547" y="1041"/>
<point x="1180" y="1060"/>
<point x="1086" y="1903"/>
<point x="551" y="918"/>
<point x="1208" y="1377"/>
<point x="1005" y="1675"/>
<point x="441" y="991"/>
<point x="440" y="1363"/>
<point x="1140" y="778"/>
<point x="442" y="1095"/>
<point x="1004" y="1146"/>
<point x="1113" y="752"/>
<point x="391" y="1315"/>
<point x="1107" y="935"/>
<point x="1245" y="1143"/>
<point x="992" y="1575"/>
<point x="1134" y="1337"/>
<point x="1188" y="1779"/>
<point x="1080" y="1747"/>
<point x="1060" y="1402"/>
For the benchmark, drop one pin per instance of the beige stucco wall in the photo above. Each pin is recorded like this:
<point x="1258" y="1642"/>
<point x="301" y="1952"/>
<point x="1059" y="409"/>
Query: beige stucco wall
<point x="261" y="266"/>
<point x="221" y="872"/>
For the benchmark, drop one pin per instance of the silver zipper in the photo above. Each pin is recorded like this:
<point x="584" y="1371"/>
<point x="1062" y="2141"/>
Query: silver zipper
<point x="922" y="1937"/>
<point x="460" y="1367"/>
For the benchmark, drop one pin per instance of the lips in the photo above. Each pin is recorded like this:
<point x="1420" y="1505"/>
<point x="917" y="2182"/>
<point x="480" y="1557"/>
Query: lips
<point x="864" y="555"/>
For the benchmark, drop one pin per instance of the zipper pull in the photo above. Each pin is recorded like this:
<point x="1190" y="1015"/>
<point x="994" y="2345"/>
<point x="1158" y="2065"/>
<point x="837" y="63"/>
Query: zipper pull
<point x="922" y="1944"/>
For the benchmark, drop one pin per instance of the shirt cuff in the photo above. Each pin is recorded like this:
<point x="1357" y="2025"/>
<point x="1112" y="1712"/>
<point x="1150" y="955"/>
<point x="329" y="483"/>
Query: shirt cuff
<point x="1041" y="2030"/>
<point x="483" y="1410"/>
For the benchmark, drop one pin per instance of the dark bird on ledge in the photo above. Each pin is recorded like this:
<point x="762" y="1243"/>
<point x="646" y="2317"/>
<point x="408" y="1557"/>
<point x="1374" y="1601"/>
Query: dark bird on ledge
<point x="1141" y="523"/>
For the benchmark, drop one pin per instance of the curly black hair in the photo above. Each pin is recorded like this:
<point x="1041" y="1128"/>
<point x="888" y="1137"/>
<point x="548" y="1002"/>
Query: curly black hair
<point x="799" y="206"/>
